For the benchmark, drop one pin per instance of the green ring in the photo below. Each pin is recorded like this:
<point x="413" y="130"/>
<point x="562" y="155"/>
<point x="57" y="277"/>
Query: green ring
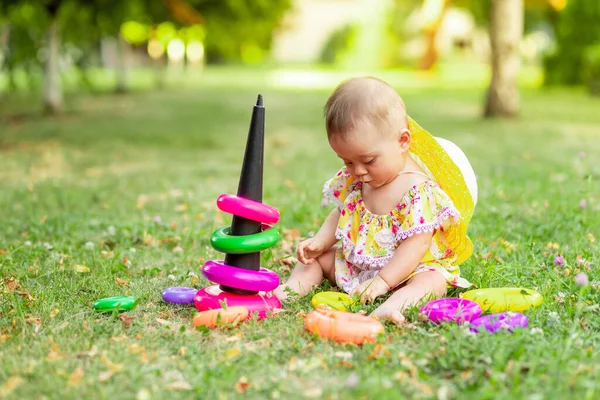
<point x="122" y="303"/>
<point x="222" y="240"/>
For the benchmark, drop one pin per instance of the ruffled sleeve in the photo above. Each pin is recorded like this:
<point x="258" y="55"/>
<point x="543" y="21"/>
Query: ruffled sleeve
<point x="425" y="208"/>
<point x="337" y="188"/>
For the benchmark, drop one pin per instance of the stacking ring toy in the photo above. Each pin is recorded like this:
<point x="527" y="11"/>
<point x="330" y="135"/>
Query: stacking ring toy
<point x="223" y="241"/>
<point x="451" y="309"/>
<point x="250" y="209"/>
<point x="212" y="318"/>
<point x="121" y="303"/>
<point x="504" y="299"/>
<point x="336" y="300"/>
<point x="263" y="280"/>
<point x="179" y="295"/>
<point x="342" y="326"/>
<point x="507" y="321"/>
<point x="212" y="298"/>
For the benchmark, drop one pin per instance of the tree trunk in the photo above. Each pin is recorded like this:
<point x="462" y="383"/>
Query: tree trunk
<point x="121" y="65"/>
<point x="53" y="99"/>
<point x="430" y="56"/>
<point x="506" y="30"/>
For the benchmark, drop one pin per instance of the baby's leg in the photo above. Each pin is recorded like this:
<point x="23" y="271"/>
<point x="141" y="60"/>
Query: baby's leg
<point x="421" y="285"/>
<point x="305" y="277"/>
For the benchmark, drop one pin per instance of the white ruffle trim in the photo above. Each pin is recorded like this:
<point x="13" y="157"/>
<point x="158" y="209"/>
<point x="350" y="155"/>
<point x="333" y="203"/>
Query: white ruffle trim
<point x="374" y="263"/>
<point x="447" y="214"/>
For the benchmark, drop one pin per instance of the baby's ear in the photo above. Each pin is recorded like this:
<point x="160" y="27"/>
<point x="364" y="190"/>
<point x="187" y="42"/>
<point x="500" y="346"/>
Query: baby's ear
<point x="404" y="139"/>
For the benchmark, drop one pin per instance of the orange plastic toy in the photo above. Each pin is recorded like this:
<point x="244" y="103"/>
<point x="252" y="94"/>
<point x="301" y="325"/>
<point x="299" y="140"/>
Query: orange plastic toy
<point x="211" y="318"/>
<point x="342" y="326"/>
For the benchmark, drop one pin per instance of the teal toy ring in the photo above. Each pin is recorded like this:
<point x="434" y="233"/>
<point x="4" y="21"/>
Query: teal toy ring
<point x="121" y="303"/>
<point x="223" y="241"/>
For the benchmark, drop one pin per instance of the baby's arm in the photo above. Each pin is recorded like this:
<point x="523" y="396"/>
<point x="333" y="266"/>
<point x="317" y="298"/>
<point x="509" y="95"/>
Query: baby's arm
<point x="406" y="258"/>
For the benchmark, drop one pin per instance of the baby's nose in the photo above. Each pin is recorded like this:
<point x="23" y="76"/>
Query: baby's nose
<point x="360" y="171"/>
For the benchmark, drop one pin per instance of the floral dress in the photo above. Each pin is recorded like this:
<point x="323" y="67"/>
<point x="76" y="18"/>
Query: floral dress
<point x="368" y="240"/>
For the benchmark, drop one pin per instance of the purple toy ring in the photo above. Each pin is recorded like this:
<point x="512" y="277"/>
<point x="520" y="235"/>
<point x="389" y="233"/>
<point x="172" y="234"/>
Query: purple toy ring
<point x="263" y="280"/>
<point x="506" y="321"/>
<point x="179" y="295"/>
<point x="451" y="309"/>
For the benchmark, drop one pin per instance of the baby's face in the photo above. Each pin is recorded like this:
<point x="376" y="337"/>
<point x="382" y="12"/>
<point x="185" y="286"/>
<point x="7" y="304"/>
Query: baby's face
<point x="372" y="157"/>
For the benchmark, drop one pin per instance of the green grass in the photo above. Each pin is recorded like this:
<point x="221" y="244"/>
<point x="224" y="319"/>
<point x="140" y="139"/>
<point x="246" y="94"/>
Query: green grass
<point x="83" y="190"/>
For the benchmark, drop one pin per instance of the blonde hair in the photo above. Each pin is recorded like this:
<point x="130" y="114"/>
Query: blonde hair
<point x="364" y="100"/>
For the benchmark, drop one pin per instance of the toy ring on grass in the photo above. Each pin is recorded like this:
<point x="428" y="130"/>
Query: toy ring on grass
<point x="451" y="309"/>
<point x="213" y="298"/>
<point x="121" y="303"/>
<point x="179" y="295"/>
<point x="249" y="209"/>
<point x="507" y="321"/>
<point x="212" y="318"/>
<point x="222" y="240"/>
<point x="504" y="299"/>
<point x="343" y="327"/>
<point x="263" y="280"/>
<point x="336" y="300"/>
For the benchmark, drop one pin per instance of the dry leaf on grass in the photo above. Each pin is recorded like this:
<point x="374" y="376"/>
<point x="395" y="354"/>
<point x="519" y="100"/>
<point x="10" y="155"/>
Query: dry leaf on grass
<point x="121" y="282"/>
<point x="54" y="312"/>
<point x="81" y="268"/>
<point x="126" y="319"/>
<point x="232" y="353"/>
<point x="119" y="338"/>
<point x="242" y="384"/>
<point x="110" y="365"/>
<point x="176" y="381"/>
<point x="75" y="377"/>
<point x="10" y="385"/>
<point x="104" y="376"/>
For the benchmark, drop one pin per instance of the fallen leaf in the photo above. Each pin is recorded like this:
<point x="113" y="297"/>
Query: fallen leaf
<point x="110" y="365"/>
<point x="75" y="377"/>
<point x="10" y="385"/>
<point x="232" y="353"/>
<point x="242" y="384"/>
<point x="12" y="284"/>
<point x="135" y="348"/>
<point x="118" y="338"/>
<point x="54" y="312"/>
<point x="234" y="338"/>
<point x="26" y="295"/>
<point x="81" y="268"/>
<point x="182" y="351"/>
<point x="4" y="338"/>
<point x="143" y="394"/>
<point x="104" y="376"/>
<point x="121" y="282"/>
<point x="126" y="319"/>
<point x="176" y="381"/>
<point x="34" y="321"/>
<point x="313" y="393"/>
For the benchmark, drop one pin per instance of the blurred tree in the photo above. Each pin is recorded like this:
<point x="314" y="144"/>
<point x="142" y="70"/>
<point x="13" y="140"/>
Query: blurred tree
<point x="240" y="30"/>
<point x="577" y="32"/>
<point x="506" y="31"/>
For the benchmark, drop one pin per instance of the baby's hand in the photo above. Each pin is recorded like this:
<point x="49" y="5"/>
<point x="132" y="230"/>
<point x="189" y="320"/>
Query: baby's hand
<point x="310" y="249"/>
<point x="371" y="289"/>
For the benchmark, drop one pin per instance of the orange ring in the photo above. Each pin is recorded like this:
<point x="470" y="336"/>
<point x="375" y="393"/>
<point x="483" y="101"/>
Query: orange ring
<point x="343" y="327"/>
<point x="210" y="318"/>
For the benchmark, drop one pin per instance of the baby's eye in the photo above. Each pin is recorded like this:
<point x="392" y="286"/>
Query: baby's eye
<point x="371" y="161"/>
<point x="348" y="163"/>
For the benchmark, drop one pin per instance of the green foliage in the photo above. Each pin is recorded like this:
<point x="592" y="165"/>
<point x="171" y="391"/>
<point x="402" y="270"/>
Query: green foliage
<point x="591" y="69"/>
<point x="576" y="29"/>
<point x="240" y="30"/>
<point x="338" y="44"/>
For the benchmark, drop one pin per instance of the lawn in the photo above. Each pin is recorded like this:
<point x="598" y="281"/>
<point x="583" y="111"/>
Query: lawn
<point x="117" y="196"/>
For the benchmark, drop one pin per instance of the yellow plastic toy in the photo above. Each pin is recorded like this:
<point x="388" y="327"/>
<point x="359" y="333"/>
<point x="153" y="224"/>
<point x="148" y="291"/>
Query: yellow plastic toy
<point x="504" y="299"/>
<point x="336" y="300"/>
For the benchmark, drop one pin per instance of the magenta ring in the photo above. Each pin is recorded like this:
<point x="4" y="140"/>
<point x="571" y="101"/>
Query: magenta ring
<point x="451" y="309"/>
<point x="179" y="295"/>
<point x="506" y="321"/>
<point x="249" y="209"/>
<point x="263" y="280"/>
<point x="212" y="297"/>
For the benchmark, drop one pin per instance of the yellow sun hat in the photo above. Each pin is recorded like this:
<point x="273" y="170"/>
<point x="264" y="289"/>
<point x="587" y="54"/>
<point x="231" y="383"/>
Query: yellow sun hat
<point x="446" y="163"/>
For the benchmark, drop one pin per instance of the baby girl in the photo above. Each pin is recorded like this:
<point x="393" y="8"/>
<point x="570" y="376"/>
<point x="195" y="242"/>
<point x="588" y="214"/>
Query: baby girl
<point x="402" y="201"/>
